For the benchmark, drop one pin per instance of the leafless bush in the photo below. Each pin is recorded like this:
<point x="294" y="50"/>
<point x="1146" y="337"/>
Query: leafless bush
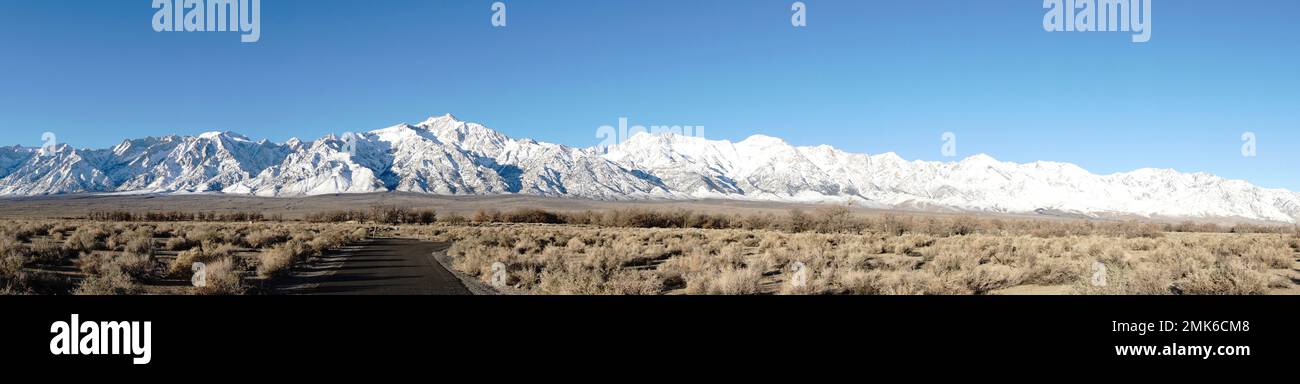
<point x="735" y="281"/>
<point x="1193" y="227"/>
<point x="87" y="238"/>
<point x="23" y="232"/>
<point x="109" y="282"/>
<point x="221" y="279"/>
<point x="454" y="219"/>
<point x="898" y="283"/>
<point x="44" y="251"/>
<point x="180" y="244"/>
<point x="278" y="260"/>
<point x="989" y="277"/>
<point x="566" y="260"/>
<point x="386" y="214"/>
<point x="11" y="270"/>
<point x="266" y="237"/>
<point x="139" y="267"/>
<point x="639" y="251"/>
<point x="383" y="214"/>
<point x="798" y="221"/>
<point x="138" y="242"/>
<point x="205" y="253"/>
<point x="532" y="216"/>
<point x="1230" y="277"/>
<point x="126" y="216"/>
<point x="837" y="219"/>
<point x="486" y="216"/>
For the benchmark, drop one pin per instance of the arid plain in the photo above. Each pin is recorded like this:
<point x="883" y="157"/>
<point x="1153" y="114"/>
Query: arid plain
<point x="148" y="244"/>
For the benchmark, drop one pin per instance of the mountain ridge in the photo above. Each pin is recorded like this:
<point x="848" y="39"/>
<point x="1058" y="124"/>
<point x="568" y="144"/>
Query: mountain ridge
<point x="445" y="156"/>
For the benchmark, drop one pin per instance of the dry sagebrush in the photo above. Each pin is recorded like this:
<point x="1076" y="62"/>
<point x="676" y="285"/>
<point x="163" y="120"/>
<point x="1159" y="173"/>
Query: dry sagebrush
<point x="113" y="258"/>
<point x="560" y="259"/>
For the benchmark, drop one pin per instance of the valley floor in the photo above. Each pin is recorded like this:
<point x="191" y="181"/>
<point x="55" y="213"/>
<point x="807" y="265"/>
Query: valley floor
<point x="671" y="249"/>
<point x="559" y="259"/>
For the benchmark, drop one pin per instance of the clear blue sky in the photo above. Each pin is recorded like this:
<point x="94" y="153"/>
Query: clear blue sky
<point x="864" y="76"/>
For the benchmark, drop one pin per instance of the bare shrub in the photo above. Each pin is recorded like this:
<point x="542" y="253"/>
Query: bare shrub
<point x="222" y="279"/>
<point x="12" y="276"/>
<point x="1231" y="277"/>
<point x="328" y="240"/>
<point x="1268" y="253"/>
<point x="180" y="244"/>
<point x="1135" y="229"/>
<point x="205" y="235"/>
<point x="989" y="277"/>
<point x="109" y="282"/>
<point x="798" y="221"/>
<point x="266" y="238"/>
<point x="205" y="253"/>
<point x="1122" y="278"/>
<point x="532" y="216"/>
<point x="836" y="219"/>
<point x="486" y="216"/>
<point x="26" y="231"/>
<point x="735" y="281"/>
<point x="48" y="252"/>
<point x="278" y="260"/>
<point x="954" y="255"/>
<point x="898" y="283"/>
<point x="358" y="235"/>
<point x="639" y="251"/>
<point x="618" y="283"/>
<point x="86" y="238"/>
<point x="139" y="243"/>
<point x="454" y="219"/>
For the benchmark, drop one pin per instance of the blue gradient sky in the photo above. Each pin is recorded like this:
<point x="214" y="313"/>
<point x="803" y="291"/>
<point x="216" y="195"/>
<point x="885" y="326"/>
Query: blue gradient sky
<point x="864" y="76"/>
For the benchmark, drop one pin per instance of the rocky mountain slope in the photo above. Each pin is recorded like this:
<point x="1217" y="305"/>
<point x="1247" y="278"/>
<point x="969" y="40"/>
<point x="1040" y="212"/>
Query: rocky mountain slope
<point x="446" y="156"/>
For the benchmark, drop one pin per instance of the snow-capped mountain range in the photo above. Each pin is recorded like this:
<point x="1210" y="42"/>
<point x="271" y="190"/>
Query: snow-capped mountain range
<point x="446" y="156"/>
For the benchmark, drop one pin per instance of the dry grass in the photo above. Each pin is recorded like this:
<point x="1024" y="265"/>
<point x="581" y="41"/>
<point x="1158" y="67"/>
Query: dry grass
<point x="111" y="258"/>
<point x="640" y="252"/>
<point x="564" y="259"/>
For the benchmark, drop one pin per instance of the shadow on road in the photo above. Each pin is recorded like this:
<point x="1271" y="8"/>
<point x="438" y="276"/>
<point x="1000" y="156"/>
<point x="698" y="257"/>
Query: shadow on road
<point x="376" y="267"/>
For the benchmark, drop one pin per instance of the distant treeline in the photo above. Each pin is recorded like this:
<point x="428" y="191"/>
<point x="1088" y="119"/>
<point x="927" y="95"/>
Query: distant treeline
<point x="181" y="216"/>
<point x="383" y="214"/>
<point x="829" y="219"/>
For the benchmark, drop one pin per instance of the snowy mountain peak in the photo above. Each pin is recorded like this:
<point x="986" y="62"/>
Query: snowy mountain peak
<point x="446" y="156"/>
<point x="444" y="121"/>
<point x="890" y="156"/>
<point x="400" y="127"/>
<point x="763" y="141"/>
<point x="445" y="118"/>
<point x="54" y="150"/>
<point x="226" y="136"/>
<point x="211" y="135"/>
<point x="979" y="161"/>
